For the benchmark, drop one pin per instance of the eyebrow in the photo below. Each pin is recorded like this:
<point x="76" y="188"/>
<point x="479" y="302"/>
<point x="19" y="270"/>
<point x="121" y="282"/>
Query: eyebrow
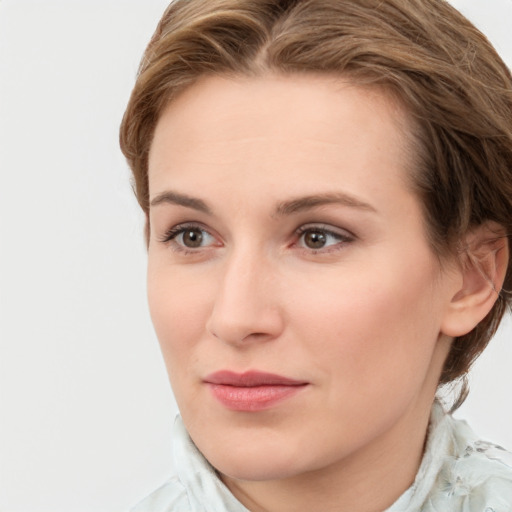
<point x="283" y="208"/>
<point x="170" y="197"/>
<point x="308" y="202"/>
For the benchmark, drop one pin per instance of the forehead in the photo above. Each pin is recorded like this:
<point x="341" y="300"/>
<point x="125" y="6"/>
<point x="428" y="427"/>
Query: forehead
<point x="298" y="128"/>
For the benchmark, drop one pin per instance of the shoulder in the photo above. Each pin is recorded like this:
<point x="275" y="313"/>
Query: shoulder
<point x="170" y="497"/>
<point x="475" y="475"/>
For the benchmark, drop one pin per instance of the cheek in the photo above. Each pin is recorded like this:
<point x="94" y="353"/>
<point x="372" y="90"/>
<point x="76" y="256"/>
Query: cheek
<point x="179" y="318"/>
<point x="177" y="312"/>
<point x="371" y="326"/>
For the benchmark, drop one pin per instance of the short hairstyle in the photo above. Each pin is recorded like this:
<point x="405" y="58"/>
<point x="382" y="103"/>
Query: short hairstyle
<point x="454" y="86"/>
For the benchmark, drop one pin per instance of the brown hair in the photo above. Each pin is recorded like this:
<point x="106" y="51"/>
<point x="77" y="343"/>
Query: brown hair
<point x="451" y="80"/>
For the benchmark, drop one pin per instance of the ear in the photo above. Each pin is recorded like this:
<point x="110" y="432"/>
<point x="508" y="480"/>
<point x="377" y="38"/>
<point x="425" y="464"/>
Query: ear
<point x="482" y="266"/>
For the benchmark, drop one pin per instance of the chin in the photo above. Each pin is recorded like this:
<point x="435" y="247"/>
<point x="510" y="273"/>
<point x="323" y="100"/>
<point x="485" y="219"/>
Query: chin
<point x="256" y="456"/>
<point x="256" y="467"/>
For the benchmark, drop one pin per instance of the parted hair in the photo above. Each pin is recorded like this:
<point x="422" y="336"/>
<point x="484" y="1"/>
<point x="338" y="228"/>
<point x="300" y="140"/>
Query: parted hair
<point x="455" y="87"/>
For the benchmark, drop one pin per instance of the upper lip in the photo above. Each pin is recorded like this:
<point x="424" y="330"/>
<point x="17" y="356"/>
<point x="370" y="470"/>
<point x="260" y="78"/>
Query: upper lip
<point x="250" y="379"/>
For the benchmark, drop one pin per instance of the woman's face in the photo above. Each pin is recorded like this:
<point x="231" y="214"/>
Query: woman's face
<point x="298" y="305"/>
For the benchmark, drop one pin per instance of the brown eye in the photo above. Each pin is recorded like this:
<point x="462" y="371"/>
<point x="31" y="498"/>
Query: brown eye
<point x="321" y="239"/>
<point x="192" y="238"/>
<point x="315" y="239"/>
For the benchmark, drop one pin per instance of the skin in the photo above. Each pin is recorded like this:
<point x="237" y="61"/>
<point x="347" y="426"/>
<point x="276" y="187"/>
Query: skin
<point x="366" y="320"/>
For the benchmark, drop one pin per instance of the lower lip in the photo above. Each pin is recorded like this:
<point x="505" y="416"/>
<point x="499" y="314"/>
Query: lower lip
<point x="253" y="398"/>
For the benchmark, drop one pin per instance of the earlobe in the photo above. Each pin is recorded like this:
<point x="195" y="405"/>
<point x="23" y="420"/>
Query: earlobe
<point x="483" y="265"/>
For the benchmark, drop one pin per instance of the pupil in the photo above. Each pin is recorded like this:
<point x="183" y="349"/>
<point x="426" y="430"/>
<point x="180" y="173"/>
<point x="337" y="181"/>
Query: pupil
<point x="315" y="240"/>
<point x="192" y="238"/>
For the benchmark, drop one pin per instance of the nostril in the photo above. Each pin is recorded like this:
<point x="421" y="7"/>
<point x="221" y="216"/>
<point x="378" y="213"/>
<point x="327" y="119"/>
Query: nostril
<point x="257" y="336"/>
<point x="235" y="330"/>
<point x="244" y="309"/>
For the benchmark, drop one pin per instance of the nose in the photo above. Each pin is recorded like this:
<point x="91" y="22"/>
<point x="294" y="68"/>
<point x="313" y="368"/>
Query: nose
<point x="246" y="308"/>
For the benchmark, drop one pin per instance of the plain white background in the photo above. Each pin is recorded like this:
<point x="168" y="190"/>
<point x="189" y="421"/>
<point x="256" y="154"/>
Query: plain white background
<point x="85" y="408"/>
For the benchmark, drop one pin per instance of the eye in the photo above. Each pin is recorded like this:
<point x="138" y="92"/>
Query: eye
<point x="188" y="237"/>
<point x="192" y="237"/>
<point x="318" y="237"/>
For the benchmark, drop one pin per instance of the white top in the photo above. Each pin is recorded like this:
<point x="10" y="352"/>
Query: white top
<point x="458" y="473"/>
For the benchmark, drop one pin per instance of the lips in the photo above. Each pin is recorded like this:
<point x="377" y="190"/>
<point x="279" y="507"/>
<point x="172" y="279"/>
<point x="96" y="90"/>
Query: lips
<point x="251" y="391"/>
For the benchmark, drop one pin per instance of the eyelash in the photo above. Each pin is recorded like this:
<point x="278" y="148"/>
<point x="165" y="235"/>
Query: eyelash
<point x="169" y="237"/>
<point x="343" y="238"/>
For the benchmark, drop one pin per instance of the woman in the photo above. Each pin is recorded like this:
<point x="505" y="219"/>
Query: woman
<point x="328" y="194"/>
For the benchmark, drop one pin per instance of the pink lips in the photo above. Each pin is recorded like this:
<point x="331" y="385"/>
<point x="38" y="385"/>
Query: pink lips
<point x="251" y="391"/>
